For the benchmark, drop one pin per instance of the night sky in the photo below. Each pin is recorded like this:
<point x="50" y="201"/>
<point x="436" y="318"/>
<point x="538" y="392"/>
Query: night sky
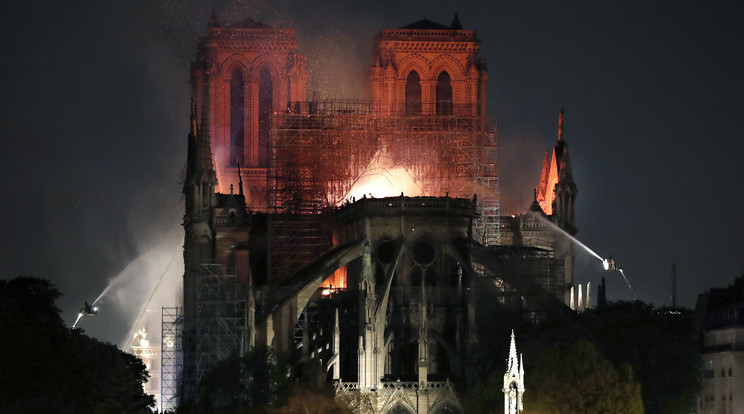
<point x="94" y="105"/>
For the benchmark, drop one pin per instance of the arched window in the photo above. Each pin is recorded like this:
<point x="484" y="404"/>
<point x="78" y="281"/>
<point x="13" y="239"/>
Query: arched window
<point x="444" y="94"/>
<point x="265" y="110"/>
<point x="399" y="409"/>
<point x="413" y="94"/>
<point x="237" y="117"/>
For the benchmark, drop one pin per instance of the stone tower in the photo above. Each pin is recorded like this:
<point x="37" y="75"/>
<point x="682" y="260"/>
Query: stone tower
<point x="199" y="194"/>
<point x="427" y="68"/>
<point x="247" y="71"/>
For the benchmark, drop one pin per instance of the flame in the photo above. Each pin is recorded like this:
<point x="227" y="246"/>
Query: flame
<point x="382" y="178"/>
<point x="337" y="280"/>
<point x="334" y="282"/>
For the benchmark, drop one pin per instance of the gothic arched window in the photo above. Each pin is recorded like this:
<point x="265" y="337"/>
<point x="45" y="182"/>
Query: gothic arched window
<point x="265" y="110"/>
<point x="237" y="117"/>
<point x="444" y="94"/>
<point x="413" y="94"/>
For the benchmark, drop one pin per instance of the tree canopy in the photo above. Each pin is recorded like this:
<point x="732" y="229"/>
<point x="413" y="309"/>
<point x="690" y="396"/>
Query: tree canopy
<point x="47" y="367"/>
<point x="659" y="345"/>
<point x="577" y="379"/>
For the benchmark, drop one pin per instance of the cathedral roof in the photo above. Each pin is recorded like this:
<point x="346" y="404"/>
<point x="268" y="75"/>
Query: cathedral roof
<point x="249" y="23"/>
<point x="425" y="24"/>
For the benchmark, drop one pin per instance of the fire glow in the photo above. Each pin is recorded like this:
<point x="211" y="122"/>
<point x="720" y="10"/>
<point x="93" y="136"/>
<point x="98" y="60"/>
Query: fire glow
<point x="382" y="178"/>
<point x="334" y="282"/>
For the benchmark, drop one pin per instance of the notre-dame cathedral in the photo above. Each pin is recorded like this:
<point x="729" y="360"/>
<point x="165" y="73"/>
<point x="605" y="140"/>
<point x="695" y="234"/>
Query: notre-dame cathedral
<point x="354" y="236"/>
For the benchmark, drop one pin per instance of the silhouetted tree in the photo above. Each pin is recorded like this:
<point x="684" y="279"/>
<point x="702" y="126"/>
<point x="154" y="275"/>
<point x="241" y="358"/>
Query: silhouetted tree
<point x="254" y="381"/>
<point x="47" y="367"/>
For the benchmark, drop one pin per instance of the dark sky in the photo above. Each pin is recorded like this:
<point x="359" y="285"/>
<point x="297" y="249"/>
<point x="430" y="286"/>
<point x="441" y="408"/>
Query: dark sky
<point x="94" y="117"/>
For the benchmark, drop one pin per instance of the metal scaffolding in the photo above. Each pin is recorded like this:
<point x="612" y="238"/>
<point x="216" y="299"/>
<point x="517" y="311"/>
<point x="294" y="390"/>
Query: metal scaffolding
<point x="171" y="354"/>
<point x="219" y="323"/>
<point x="322" y="149"/>
<point x="525" y="278"/>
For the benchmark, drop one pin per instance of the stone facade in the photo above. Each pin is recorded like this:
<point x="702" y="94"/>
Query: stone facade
<point x="376" y="292"/>
<point x="720" y="316"/>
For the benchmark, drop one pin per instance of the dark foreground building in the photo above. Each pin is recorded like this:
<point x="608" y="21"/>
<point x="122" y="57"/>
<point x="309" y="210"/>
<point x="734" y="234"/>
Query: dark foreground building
<point x="720" y="322"/>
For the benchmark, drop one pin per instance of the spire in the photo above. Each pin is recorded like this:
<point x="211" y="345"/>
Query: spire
<point x="456" y="23"/>
<point x="571" y="300"/>
<point x="512" y="353"/>
<point x="542" y="186"/>
<point x="213" y="22"/>
<point x="521" y="366"/>
<point x="240" y="181"/>
<point x="565" y="175"/>
<point x="513" y="381"/>
<point x="204" y="146"/>
<point x="335" y="359"/>
<point x="674" y="285"/>
<point x="423" y="360"/>
<point x="193" y="130"/>
<point x="560" y="126"/>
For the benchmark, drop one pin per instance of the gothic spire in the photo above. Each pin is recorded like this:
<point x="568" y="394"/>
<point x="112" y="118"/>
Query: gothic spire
<point x="213" y="22"/>
<point x="240" y="181"/>
<point x="560" y="126"/>
<point x="193" y="129"/>
<point x="542" y="186"/>
<point x="512" y="353"/>
<point x="204" y="145"/>
<point x="456" y="23"/>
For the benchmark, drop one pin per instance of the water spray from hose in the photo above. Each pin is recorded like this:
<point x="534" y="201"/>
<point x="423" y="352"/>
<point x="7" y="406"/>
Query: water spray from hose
<point x="147" y="303"/>
<point x="608" y="263"/>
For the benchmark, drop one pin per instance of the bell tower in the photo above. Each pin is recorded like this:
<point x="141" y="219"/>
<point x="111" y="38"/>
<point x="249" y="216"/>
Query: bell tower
<point x="246" y="71"/>
<point x="426" y="68"/>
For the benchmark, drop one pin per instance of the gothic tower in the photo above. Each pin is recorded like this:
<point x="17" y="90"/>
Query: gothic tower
<point x="247" y="71"/>
<point x="199" y="192"/>
<point x="427" y="68"/>
<point x="556" y="191"/>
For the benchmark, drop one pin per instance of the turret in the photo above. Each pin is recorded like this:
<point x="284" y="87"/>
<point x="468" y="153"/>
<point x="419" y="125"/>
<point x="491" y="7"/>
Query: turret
<point x="423" y="358"/>
<point x="565" y="188"/>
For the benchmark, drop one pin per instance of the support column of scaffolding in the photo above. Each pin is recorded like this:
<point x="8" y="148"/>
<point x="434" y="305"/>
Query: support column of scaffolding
<point x="219" y="323"/>
<point x="171" y="357"/>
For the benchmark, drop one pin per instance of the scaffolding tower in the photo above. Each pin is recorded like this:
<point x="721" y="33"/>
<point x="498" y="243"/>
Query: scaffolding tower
<point x="171" y="357"/>
<point x="524" y="278"/>
<point x="219" y="324"/>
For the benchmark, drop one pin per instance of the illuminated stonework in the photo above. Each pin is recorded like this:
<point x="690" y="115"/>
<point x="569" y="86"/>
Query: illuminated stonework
<point x="513" y="381"/>
<point x="306" y="248"/>
<point x="243" y="73"/>
<point x="150" y="356"/>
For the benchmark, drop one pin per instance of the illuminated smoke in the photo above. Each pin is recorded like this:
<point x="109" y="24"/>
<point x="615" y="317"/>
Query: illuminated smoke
<point x="148" y="282"/>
